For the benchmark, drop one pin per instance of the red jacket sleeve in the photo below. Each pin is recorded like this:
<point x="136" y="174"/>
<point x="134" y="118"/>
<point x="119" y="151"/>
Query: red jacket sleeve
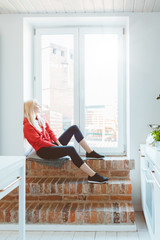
<point x="34" y="138"/>
<point x="50" y="132"/>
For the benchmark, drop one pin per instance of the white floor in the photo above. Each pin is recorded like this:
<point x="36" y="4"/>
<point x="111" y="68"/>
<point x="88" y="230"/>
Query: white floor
<point x="141" y="234"/>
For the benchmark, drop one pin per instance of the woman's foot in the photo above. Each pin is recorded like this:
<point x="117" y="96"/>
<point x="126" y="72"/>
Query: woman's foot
<point x="93" y="154"/>
<point x="97" y="178"/>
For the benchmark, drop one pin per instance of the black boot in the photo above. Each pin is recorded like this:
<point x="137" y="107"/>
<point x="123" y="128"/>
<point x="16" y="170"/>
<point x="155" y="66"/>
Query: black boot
<point x="93" y="154"/>
<point x="97" y="178"/>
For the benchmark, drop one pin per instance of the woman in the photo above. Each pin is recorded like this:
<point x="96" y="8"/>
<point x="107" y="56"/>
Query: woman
<point x="39" y="134"/>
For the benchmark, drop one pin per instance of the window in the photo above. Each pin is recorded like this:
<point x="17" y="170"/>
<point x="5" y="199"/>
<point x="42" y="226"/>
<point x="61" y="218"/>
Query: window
<point x="62" y="53"/>
<point x="54" y="50"/>
<point x="84" y="84"/>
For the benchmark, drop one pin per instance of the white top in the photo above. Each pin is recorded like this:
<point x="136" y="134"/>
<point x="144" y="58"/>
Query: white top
<point x="10" y="161"/>
<point x="153" y="154"/>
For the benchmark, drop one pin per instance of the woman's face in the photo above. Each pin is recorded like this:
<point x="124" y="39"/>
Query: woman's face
<point x="37" y="107"/>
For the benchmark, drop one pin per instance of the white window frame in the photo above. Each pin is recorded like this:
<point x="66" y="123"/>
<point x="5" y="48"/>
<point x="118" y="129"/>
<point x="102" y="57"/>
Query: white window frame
<point x="120" y="149"/>
<point x="78" y="33"/>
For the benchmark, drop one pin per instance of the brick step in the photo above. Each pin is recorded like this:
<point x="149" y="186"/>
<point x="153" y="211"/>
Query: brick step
<point x="111" y="167"/>
<point x="74" y="189"/>
<point x="70" y="212"/>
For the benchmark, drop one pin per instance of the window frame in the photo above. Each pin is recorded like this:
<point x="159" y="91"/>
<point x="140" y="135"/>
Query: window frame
<point x="121" y="82"/>
<point x="78" y="58"/>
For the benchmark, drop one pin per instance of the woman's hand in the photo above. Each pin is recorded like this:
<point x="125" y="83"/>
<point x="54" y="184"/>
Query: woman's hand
<point x="58" y="143"/>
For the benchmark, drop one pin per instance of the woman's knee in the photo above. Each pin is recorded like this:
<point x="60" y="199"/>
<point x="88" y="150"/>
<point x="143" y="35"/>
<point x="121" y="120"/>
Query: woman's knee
<point x="74" y="128"/>
<point x="71" y="149"/>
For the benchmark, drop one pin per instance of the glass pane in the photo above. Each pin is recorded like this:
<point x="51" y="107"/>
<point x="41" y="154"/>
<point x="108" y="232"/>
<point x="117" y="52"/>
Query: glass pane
<point x="101" y="89"/>
<point x="57" y="81"/>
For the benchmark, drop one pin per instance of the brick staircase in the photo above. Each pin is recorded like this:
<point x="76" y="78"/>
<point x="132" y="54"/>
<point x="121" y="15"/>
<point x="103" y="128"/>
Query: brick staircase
<point x="57" y="195"/>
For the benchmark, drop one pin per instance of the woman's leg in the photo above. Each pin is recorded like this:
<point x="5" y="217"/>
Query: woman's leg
<point x="85" y="146"/>
<point x="69" y="133"/>
<point x="61" y="151"/>
<point x="74" y="131"/>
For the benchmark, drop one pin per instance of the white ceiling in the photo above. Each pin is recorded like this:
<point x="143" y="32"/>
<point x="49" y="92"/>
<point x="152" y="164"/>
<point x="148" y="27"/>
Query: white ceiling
<point x="78" y="6"/>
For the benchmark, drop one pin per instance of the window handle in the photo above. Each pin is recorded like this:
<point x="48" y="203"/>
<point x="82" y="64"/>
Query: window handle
<point x="152" y="173"/>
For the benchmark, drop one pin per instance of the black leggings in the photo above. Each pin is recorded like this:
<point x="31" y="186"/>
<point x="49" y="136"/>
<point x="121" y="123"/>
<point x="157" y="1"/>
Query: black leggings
<point x="61" y="151"/>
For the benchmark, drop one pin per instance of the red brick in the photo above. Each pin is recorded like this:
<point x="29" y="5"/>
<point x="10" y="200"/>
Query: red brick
<point x="47" y="184"/>
<point x="94" y="213"/>
<point x="2" y="213"/>
<point x="10" y="198"/>
<point x="102" y="164"/>
<point x="97" y="188"/>
<point x="115" y="206"/>
<point x="96" y="164"/>
<point x="122" y="188"/>
<point x="79" y="185"/>
<point x="103" y="188"/>
<point x="29" y="212"/>
<point x="107" y="206"/>
<point x="50" y="198"/>
<point x="8" y="212"/>
<point x="108" y="213"/>
<point x="90" y="188"/>
<point x="72" y="186"/>
<point x="73" y="166"/>
<point x="58" y="212"/>
<point x="54" y="185"/>
<point x="27" y="188"/>
<point x="51" y="212"/>
<point x="90" y="163"/>
<point x="79" y="213"/>
<point x="35" y="213"/>
<point x="66" y="185"/>
<point x="108" y="164"/>
<point x="115" y="188"/>
<point x="129" y="189"/>
<point x="60" y="185"/>
<point x="14" y="214"/>
<point x="126" y="164"/>
<point x="121" y="197"/>
<point x="120" y="173"/>
<point x="116" y="217"/>
<point x="108" y="188"/>
<point x="131" y="217"/>
<point x="97" y="198"/>
<point x="123" y="217"/>
<point x="43" y="213"/>
<point x="87" y="213"/>
<point x="65" y="213"/>
<point x="114" y="164"/>
<point x="101" y="214"/>
<point x="15" y="191"/>
<point x="132" y="164"/>
<point x="72" y="212"/>
<point x="85" y="187"/>
<point x="94" y="216"/>
<point x="34" y="188"/>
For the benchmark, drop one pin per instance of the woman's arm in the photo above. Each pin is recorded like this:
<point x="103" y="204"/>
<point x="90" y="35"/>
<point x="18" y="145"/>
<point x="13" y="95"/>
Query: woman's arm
<point x="51" y="134"/>
<point x="58" y="143"/>
<point x="34" y="138"/>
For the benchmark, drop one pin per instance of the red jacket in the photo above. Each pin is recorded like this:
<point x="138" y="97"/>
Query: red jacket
<point x="36" y="138"/>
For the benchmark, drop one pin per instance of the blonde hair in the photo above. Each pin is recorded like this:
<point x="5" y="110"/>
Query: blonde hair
<point x="30" y="114"/>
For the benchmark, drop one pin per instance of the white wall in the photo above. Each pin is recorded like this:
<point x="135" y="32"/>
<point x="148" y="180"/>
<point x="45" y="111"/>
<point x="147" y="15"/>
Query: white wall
<point x="11" y="87"/>
<point x="144" y="84"/>
<point x="28" y="61"/>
